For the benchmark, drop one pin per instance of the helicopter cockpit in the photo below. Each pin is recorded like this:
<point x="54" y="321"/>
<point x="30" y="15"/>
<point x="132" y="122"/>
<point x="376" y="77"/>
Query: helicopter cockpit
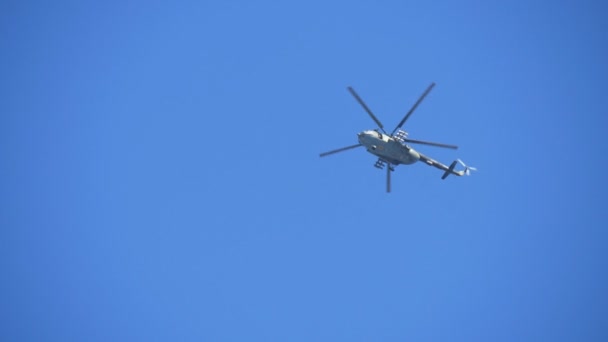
<point x="379" y="134"/>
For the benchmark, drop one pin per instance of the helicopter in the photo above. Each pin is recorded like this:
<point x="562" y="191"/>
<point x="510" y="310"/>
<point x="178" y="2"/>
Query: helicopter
<point x="393" y="149"/>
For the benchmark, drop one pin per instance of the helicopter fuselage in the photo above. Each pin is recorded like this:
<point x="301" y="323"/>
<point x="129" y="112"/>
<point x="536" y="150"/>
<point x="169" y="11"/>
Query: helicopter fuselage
<point x="387" y="148"/>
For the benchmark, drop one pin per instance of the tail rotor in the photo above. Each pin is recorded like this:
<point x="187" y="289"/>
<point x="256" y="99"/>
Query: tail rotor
<point x="467" y="169"/>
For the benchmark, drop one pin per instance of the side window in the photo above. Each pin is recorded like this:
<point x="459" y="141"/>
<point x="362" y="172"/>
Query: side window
<point x="379" y="135"/>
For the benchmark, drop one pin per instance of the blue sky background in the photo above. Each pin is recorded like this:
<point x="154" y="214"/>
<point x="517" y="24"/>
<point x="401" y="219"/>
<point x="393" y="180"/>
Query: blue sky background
<point x="160" y="177"/>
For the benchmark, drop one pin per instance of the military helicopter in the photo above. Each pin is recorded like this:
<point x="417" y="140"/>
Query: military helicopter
<point x="392" y="149"/>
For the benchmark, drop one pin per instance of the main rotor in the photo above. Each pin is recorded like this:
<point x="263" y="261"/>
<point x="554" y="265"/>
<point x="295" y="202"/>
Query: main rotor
<point x="402" y="137"/>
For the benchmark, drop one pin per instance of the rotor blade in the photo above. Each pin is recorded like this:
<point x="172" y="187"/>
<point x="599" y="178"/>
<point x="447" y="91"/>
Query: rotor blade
<point x="339" y="150"/>
<point x="428" y="90"/>
<point x="388" y="178"/>
<point x="430" y="143"/>
<point x="369" y="111"/>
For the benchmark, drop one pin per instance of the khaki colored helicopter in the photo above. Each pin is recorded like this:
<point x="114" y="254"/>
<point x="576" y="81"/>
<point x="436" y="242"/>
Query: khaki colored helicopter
<point x="392" y="149"/>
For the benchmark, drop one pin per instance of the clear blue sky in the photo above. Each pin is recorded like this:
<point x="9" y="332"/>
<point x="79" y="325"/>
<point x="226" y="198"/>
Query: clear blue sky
<point x="160" y="177"/>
